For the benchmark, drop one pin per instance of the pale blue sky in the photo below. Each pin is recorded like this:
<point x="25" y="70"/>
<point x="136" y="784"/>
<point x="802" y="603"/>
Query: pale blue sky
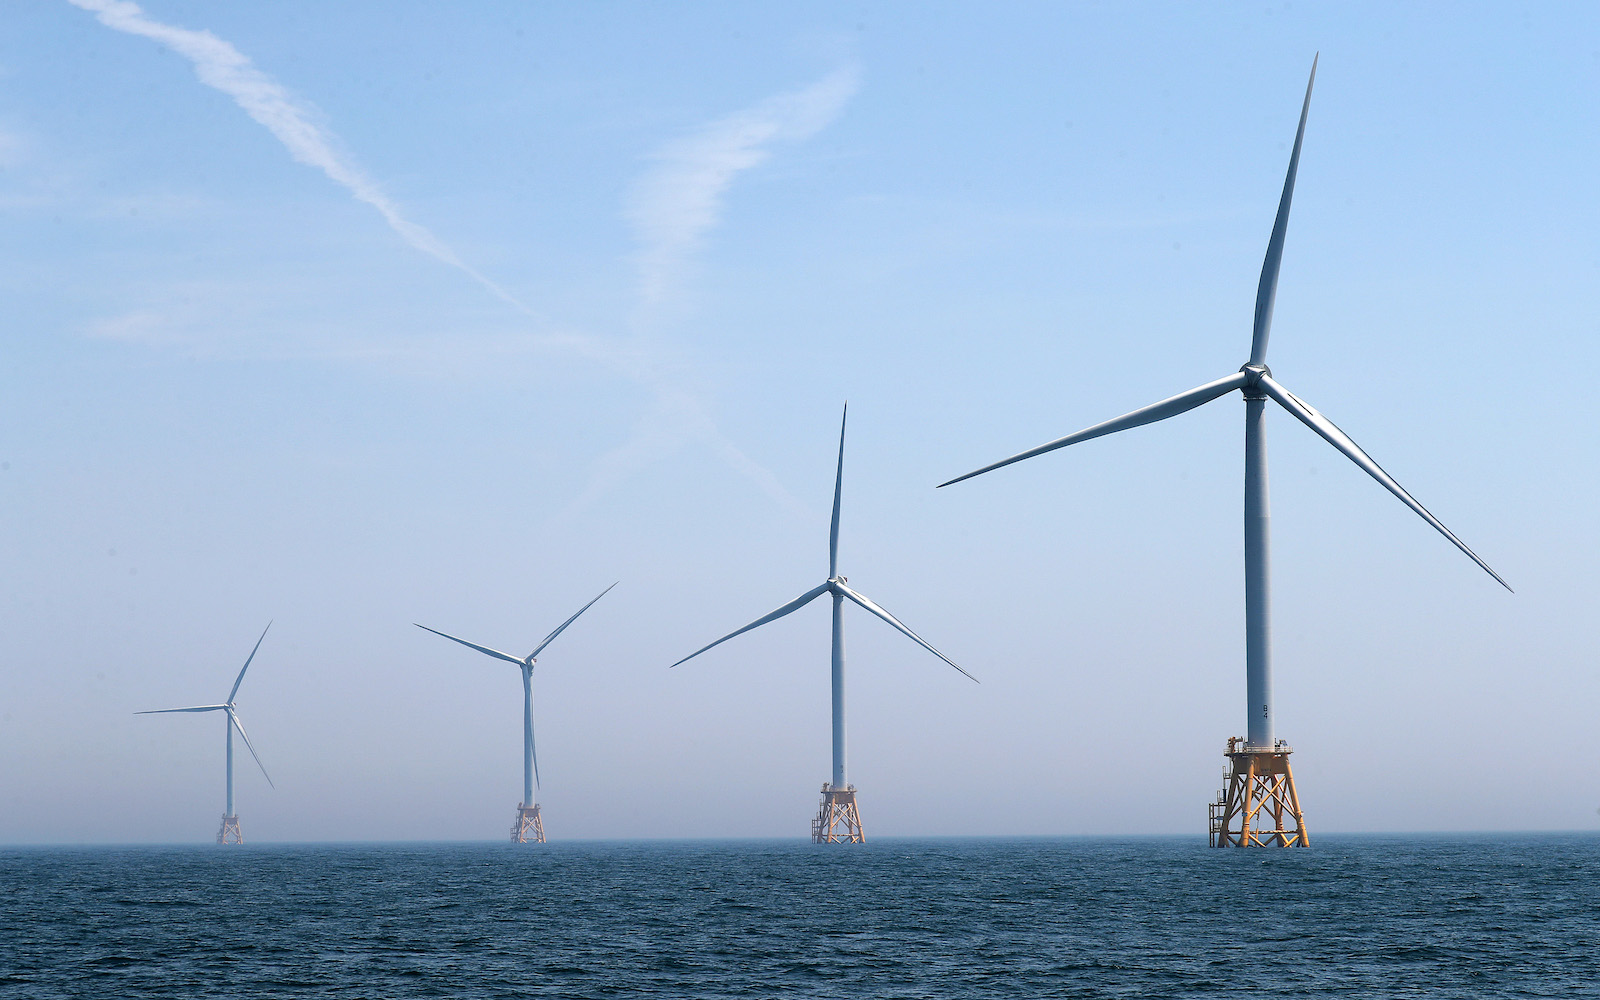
<point x="659" y="246"/>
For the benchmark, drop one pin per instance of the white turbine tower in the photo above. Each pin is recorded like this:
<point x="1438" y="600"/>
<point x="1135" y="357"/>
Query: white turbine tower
<point x="529" y="823"/>
<point x="1260" y="780"/>
<point x="838" y="807"/>
<point x="230" y="832"/>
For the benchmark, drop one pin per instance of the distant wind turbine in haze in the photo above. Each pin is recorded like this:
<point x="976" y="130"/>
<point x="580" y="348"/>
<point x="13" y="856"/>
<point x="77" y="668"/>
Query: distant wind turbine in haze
<point x="529" y="824"/>
<point x="838" y="820"/>
<point x="230" y="832"/>
<point x="1260" y="779"/>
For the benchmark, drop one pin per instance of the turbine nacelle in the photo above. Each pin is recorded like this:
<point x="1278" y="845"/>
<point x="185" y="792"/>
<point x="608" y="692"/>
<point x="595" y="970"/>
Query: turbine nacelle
<point x="1255" y="379"/>
<point x="528" y="661"/>
<point x="836" y="584"/>
<point x="531" y="765"/>
<point x="230" y="707"/>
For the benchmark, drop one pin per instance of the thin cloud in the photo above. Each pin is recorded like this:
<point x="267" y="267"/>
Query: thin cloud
<point x="13" y="150"/>
<point x="674" y="205"/>
<point x="218" y="64"/>
<point x="675" y="419"/>
<point x="672" y="209"/>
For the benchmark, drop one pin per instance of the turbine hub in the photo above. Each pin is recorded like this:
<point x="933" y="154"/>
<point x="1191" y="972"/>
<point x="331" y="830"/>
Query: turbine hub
<point x="1252" y="388"/>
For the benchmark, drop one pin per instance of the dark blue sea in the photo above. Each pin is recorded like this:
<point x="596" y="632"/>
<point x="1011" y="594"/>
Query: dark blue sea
<point x="1433" y="916"/>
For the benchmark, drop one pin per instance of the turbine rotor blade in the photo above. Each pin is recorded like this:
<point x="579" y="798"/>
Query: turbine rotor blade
<point x="240" y="679"/>
<point x="482" y="649"/>
<point x="1267" y="291"/>
<point x="534" y="746"/>
<point x="872" y="607"/>
<point x="1340" y="440"/>
<point x="560" y="628"/>
<point x="234" y="717"/>
<point x="838" y="488"/>
<point x="1170" y="407"/>
<point x="196" y="708"/>
<point x="794" y="605"/>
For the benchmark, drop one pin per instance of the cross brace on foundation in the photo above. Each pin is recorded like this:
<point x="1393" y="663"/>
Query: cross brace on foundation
<point x="1258" y="797"/>
<point x="529" y="827"/>
<point x="837" y="820"/>
<point x="230" y="832"/>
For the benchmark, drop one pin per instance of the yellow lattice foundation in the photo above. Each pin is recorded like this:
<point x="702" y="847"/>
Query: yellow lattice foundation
<point x="1258" y="798"/>
<point x="529" y="827"/>
<point x="837" y="820"/>
<point x="230" y="832"/>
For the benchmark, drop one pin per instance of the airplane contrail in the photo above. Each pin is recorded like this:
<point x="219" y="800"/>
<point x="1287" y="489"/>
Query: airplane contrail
<point x="672" y="208"/>
<point x="671" y="211"/>
<point x="675" y="204"/>
<point x="221" y="66"/>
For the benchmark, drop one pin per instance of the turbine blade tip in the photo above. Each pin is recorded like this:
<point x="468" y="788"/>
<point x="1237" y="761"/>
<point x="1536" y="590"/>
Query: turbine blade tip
<point x="958" y="479"/>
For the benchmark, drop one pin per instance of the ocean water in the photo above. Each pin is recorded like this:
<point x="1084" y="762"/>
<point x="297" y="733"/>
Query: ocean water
<point x="1433" y="916"/>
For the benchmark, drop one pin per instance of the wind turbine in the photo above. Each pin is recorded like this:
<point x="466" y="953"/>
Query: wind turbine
<point x="1260" y="780"/>
<point x="838" y="807"/>
<point x="230" y="832"/>
<point x="529" y="823"/>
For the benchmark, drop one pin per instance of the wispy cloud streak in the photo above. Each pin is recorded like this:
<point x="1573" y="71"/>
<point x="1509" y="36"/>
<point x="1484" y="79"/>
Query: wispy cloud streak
<point x="674" y="205"/>
<point x="218" y="64"/>
<point x="671" y="208"/>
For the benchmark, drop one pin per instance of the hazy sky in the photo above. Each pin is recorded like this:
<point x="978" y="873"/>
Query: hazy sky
<point x="354" y="315"/>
